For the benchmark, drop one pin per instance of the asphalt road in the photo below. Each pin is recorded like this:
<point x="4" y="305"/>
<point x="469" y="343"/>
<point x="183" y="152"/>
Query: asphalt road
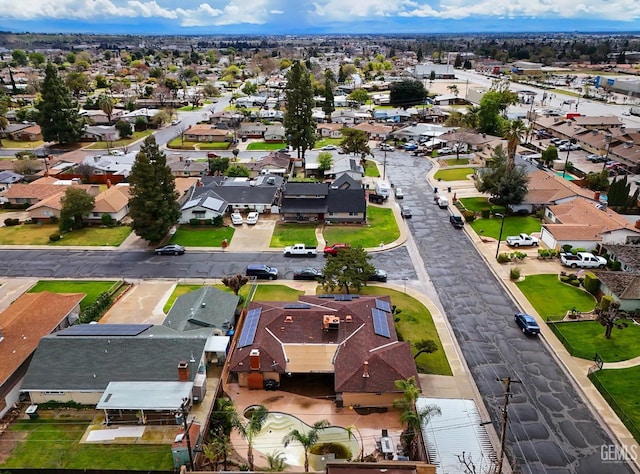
<point x="550" y="428"/>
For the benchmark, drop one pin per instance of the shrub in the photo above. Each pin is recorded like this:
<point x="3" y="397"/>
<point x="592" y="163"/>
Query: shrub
<point x="605" y="302"/>
<point x="567" y="247"/>
<point x="565" y="279"/>
<point x="485" y="213"/>
<point x="543" y="253"/>
<point x="54" y="237"/>
<point x="218" y="221"/>
<point x="514" y="274"/>
<point x="194" y="221"/>
<point x="575" y="282"/>
<point x="518" y="255"/>
<point x="504" y="257"/>
<point x="591" y="283"/>
<point x="616" y="265"/>
<point x="469" y="216"/>
<point x="107" y="220"/>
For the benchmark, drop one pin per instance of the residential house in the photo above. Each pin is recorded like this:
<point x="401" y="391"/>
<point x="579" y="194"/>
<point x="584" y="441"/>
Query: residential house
<point x="100" y="133"/>
<point x="27" y="319"/>
<point x="26" y="194"/>
<point x="330" y="130"/>
<point x="391" y="115"/>
<point x="50" y="207"/>
<point x="206" y="307"/>
<point x="375" y="131"/>
<point x="207" y="133"/>
<point x="187" y="167"/>
<point x="114" y="202"/>
<point x="8" y="179"/>
<point x="252" y="130"/>
<point x="347" y="341"/>
<point x="623" y="287"/>
<point x="145" y="113"/>
<point x="345" y="165"/>
<point x="313" y="202"/>
<point x="32" y="133"/>
<point x="274" y="134"/>
<point x="98" y="117"/>
<point x="13" y="128"/>
<point x="276" y="162"/>
<point x="111" y="165"/>
<point x="79" y="364"/>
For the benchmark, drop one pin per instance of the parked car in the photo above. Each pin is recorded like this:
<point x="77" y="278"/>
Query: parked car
<point x="527" y="324"/>
<point x="171" y="249"/>
<point x="334" y="249"/>
<point x="176" y="122"/>
<point x="262" y="271"/>
<point x="522" y="240"/>
<point x="596" y="158"/>
<point x="385" y="147"/>
<point x="445" y="151"/>
<point x="308" y="273"/>
<point x="236" y="218"/>
<point x="398" y="193"/>
<point x="456" y="221"/>
<point x="410" y="147"/>
<point x="568" y="147"/>
<point x="300" y="250"/>
<point x="252" y="218"/>
<point x="378" y="275"/>
<point x="329" y="147"/>
<point x="405" y="212"/>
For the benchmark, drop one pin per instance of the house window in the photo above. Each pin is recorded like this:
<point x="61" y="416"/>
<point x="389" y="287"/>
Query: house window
<point x="47" y="213"/>
<point x="199" y="214"/>
<point x="354" y="214"/>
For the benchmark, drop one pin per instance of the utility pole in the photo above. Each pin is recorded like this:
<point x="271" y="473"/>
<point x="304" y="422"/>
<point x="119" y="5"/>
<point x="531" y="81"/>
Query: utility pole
<point x="184" y="412"/>
<point x="505" y="418"/>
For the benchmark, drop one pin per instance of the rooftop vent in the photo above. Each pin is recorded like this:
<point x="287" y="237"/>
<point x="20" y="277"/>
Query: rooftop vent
<point x="288" y="319"/>
<point x="330" y="322"/>
<point x="348" y="318"/>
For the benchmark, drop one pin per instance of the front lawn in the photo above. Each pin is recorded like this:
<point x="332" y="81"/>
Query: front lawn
<point x="476" y="204"/>
<point x="201" y="236"/>
<point x="552" y="299"/>
<point x="179" y="144"/>
<point x="371" y="169"/>
<point x="38" y="234"/>
<point x="55" y="444"/>
<point x="620" y="387"/>
<point x="414" y="323"/>
<point x="587" y="338"/>
<point x="119" y="143"/>
<point x="257" y="146"/>
<point x="381" y="228"/>
<point x="6" y="143"/>
<point x="328" y="141"/>
<point x="513" y="225"/>
<point x="91" y="289"/>
<point x="291" y="234"/>
<point x="453" y="174"/>
<point x="457" y="162"/>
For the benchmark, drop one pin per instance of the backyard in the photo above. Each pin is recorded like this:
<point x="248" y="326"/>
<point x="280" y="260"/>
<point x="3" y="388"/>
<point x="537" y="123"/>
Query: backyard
<point x="381" y="228"/>
<point x="552" y="299"/>
<point x="38" y="234"/>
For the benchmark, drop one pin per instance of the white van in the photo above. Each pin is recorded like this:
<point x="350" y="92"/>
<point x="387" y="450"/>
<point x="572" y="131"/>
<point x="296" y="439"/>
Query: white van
<point x="383" y="188"/>
<point x="443" y="202"/>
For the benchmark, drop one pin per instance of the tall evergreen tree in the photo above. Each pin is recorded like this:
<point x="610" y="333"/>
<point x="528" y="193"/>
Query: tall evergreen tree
<point x="153" y="205"/>
<point x="57" y="112"/>
<point x="329" y="82"/>
<point x="298" y="117"/>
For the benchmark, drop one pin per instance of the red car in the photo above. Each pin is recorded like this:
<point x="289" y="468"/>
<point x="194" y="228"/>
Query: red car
<point x="334" y="249"/>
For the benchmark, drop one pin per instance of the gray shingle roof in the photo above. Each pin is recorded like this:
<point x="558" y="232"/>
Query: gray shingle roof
<point x="89" y="363"/>
<point x="205" y="307"/>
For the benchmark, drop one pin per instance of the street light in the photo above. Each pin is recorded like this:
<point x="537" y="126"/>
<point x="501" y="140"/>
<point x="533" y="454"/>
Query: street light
<point x="572" y="141"/>
<point x="501" y="229"/>
<point x="607" y="145"/>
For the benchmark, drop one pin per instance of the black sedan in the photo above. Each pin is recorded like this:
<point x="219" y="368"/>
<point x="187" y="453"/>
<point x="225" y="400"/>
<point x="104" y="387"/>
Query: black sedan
<point x="378" y="275"/>
<point x="307" y="274"/>
<point x="171" y="249"/>
<point x="527" y="324"/>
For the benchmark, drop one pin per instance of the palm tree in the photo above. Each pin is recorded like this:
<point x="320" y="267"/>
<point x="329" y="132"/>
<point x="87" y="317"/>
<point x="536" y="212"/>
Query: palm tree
<point x="414" y="420"/>
<point x="218" y="449"/>
<point x="410" y="393"/>
<point x="251" y="428"/>
<point x="307" y="440"/>
<point x="276" y="462"/>
<point x="106" y="104"/>
<point x="514" y="133"/>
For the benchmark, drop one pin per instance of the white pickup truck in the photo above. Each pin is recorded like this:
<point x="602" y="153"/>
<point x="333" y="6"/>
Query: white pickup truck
<point x="522" y="240"/>
<point x="300" y="250"/>
<point x="582" y="260"/>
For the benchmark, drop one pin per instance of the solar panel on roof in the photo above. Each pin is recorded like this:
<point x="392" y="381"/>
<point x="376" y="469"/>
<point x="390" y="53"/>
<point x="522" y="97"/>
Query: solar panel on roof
<point x="342" y="298"/>
<point x="380" y="323"/>
<point x="297" y="306"/>
<point x="250" y="326"/>
<point x="383" y="305"/>
<point x="326" y="295"/>
<point x="104" y="330"/>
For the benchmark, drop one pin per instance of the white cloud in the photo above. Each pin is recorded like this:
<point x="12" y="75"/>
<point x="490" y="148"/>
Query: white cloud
<point x="230" y="11"/>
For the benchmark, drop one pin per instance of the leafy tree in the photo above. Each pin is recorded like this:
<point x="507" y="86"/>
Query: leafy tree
<point x="57" y="112"/>
<point x="235" y="283"/>
<point x="250" y="88"/>
<point x="549" y="155"/>
<point x="101" y="81"/>
<point x="238" y="171"/>
<point x="407" y="93"/>
<point x="37" y="58"/>
<point x="492" y="106"/>
<point x="76" y="205"/>
<point x="506" y="185"/>
<point x="298" y="117"/>
<point x="20" y="58"/>
<point x="349" y="269"/>
<point x="425" y="346"/>
<point x="361" y="96"/>
<point x="124" y="128"/>
<point x="355" y="141"/>
<point x="26" y="165"/>
<point x="77" y="82"/>
<point x="249" y="430"/>
<point x="325" y="161"/>
<point x="618" y="193"/>
<point x="218" y="165"/>
<point x="307" y="440"/>
<point x="342" y="75"/>
<point x="328" y="107"/>
<point x="153" y="206"/>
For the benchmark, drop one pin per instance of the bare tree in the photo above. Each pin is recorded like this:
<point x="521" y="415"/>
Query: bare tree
<point x="611" y="318"/>
<point x="235" y="282"/>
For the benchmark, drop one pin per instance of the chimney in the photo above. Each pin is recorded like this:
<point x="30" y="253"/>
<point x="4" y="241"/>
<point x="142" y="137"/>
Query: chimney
<point x="365" y="373"/>
<point x="254" y="359"/>
<point x="108" y="183"/>
<point x="183" y="371"/>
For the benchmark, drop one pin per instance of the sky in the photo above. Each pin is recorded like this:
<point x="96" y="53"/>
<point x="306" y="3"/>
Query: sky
<point x="280" y="17"/>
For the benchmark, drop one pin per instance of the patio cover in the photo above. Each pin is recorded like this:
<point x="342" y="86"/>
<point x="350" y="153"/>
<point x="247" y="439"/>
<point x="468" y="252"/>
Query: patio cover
<point x="217" y="344"/>
<point x="144" y="395"/>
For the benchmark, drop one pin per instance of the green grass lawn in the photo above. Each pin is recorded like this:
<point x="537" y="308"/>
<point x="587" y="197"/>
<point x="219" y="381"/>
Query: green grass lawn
<point x="55" y="444"/>
<point x="214" y="145"/>
<point x="38" y="234"/>
<point x="6" y="143"/>
<point x="587" y="338"/>
<point x="453" y="174"/>
<point x="415" y="323"/>
<point x="118" y="143"/>
<point x="178" y="144"/>
<point x="92" y="289"/>
<point x="371" y="169"/>
<point x="291" y="234"/>
<point x="382" y="227"/>
<point x="458" y="162"/>
<point x="476" y="204"/>
<point x="256" y="146"/>
<point x="513" y="225"/>
<point x="623" y="386"/>
<point x="188" y="108"/>
<point x="201" y="236"/>
<point x="552" y="299"/>
<point x="328" y="141"/>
